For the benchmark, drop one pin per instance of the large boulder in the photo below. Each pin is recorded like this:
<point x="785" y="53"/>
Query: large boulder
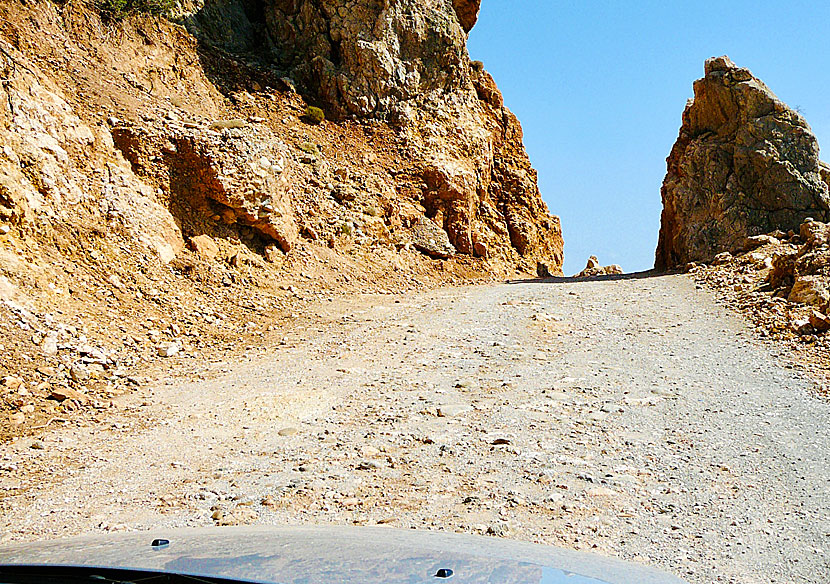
<point x="430" y="239"/>
<point x="803" y="274"/>
<point x="744" y="164"/>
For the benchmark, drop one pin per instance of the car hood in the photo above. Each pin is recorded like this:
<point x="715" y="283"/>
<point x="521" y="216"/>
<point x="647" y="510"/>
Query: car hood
<point x="329" y="555"/>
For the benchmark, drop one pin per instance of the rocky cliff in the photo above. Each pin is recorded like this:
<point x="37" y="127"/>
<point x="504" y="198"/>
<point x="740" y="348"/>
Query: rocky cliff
<point x="744" y="164"/>
<point x="406" y="64"/>
<point x="162" y="186"/>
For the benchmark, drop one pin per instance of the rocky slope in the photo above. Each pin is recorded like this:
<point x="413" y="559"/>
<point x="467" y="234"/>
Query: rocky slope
<point x="161" y="186"/>
<point x="781" y="282"/>
<point x="744" y="164"/>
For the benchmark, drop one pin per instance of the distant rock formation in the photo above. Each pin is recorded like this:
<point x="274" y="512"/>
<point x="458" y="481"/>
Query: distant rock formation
<point x="744" y="164"/>
<point x="593" y="269"/>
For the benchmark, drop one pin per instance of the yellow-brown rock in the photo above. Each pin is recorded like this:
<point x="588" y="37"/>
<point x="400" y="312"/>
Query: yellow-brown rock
<point x="744" y="164"/>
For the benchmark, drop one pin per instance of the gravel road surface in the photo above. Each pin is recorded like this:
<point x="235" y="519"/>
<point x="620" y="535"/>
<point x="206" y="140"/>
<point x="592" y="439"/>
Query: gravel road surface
<point x="634" y="417"/>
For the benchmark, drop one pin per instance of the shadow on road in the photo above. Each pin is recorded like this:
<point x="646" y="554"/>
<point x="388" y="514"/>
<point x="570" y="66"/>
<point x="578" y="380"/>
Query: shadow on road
<point x="607" y="278"/>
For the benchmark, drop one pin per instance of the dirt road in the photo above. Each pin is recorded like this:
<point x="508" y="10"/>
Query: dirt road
<point x="635" y="418"/>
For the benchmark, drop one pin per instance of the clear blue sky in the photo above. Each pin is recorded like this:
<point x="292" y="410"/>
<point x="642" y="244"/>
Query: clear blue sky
<point x="600" y="87"/>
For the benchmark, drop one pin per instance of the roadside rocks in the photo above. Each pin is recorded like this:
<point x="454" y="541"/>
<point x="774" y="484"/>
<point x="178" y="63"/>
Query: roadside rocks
<point x="812" y="290"/>
<point x="63" y="393"/>
<point x="239" y="515"/>
<point x="204" y="246"/>
<point x="804" y="272"/>
<point x="784" y="284"/>
<point x="168" y="349"/>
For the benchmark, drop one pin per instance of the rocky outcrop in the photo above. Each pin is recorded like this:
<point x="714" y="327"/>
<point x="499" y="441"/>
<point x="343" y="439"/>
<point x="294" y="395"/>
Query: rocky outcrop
<point x="593" y="269"/>
<point x="235" y="171"/>
<point x="467" y="11"/>
<point x="744" y="164"/>
<point x="185" y="138"/>
<point x="781" y="281"/>
<point x="407" y="63"/>
<point x="358" y="57"/>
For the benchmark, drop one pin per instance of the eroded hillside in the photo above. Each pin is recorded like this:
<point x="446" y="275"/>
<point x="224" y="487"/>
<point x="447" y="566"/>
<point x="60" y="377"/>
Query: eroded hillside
<point x="162" y="193"/>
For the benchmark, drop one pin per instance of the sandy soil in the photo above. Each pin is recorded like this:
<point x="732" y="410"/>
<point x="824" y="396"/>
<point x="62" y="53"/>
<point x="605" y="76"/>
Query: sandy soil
<point x="635" y="417"/>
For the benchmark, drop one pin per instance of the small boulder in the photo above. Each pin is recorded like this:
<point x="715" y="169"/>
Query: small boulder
<point x="168" y="349"/>
<point x="811" y="290"/>
<point x="819" y="321"/>
<point x="814" y="233"/>
<point x="593" y="263"/>
<point x="756" y="241"/>
<point x="204" y="246"/>
<point x="273" y="253"/>
<point x="480" y="249"/>
<point x="722" y="258"/>
<point x="453" y="410"/>
<point x="66" y="393"/>
<point x="431" y="240"/>
<point x="79" y="373"/>
<point x="11" y="382"/>
<point x="49" y="345"/>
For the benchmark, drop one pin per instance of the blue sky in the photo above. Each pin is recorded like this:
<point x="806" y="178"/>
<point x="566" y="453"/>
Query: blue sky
<point x="600" y="88"/>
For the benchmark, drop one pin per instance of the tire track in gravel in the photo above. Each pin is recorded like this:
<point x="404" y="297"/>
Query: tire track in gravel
<point x="633" y="418"/>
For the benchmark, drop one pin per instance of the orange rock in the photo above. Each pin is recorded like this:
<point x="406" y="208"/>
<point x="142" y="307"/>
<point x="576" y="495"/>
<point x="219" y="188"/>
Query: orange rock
<point x="204" y="246"/>
<point x="64" y="393"/>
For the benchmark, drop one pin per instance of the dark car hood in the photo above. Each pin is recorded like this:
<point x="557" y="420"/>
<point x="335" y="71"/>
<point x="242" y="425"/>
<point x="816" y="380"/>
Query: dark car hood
<point x="335" y="555"/>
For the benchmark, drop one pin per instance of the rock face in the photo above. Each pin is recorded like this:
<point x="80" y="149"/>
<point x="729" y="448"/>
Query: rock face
<point x="744" y="164"/>
<point x="404" y="63"/>
<point x="359" y="57"/>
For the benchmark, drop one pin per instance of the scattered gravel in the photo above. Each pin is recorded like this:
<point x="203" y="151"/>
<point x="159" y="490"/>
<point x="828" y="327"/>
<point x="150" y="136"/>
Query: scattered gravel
<point x="634" y="418"/>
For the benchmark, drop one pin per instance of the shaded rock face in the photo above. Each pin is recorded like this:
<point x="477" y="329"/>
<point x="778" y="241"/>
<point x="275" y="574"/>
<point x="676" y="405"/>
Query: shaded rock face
<point x="467" y="11"/>
<point x="358" y="57"/>
<point x="744" y="164"/>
